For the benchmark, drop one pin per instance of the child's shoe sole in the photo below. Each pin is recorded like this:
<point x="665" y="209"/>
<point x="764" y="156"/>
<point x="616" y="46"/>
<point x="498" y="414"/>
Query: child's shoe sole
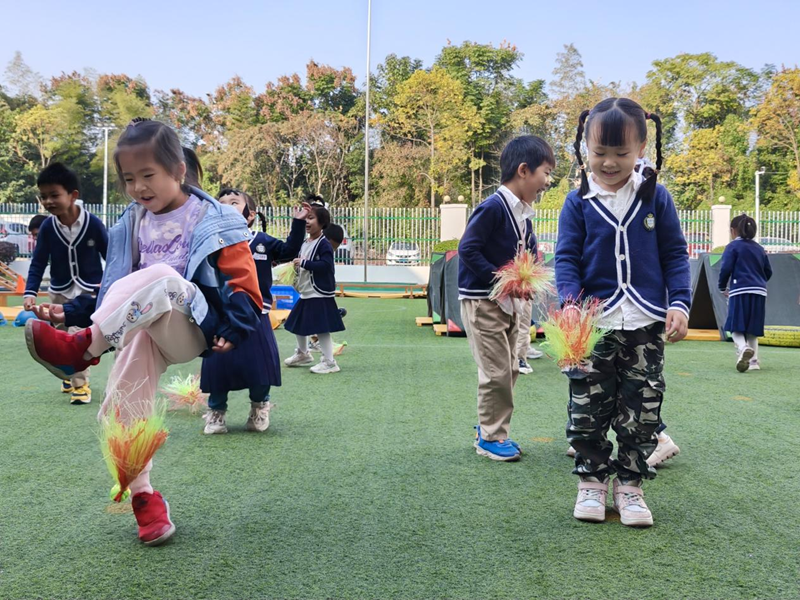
<point x="32" y="349"/>
<point x="589" y="517"/>
<point x="497" y="457"/>
<point x="635" y="521"/>
<point x="744" y="360"/>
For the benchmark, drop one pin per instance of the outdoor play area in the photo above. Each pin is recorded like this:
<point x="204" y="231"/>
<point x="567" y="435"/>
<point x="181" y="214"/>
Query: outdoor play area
<point x="367" y="484"/>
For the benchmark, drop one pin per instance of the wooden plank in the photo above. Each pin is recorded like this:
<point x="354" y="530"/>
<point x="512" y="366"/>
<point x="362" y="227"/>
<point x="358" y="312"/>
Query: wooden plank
<point x="703" y="335"/>
<point x="440" y="329"/>
<point x="422" y="321"/>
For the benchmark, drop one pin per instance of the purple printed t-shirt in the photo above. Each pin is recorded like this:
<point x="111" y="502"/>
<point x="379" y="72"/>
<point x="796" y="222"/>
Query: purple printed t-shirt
<point x="165" y="239"/>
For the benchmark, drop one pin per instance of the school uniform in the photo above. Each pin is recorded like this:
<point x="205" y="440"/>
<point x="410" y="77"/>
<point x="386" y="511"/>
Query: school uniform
<point x="496" y="232"/>
<point x="526" y="314"/>
<point x="254" y="364"/>
<point x="631" y="255"/>
<point x="745" y="266"/>
<point x="316" y="311"/>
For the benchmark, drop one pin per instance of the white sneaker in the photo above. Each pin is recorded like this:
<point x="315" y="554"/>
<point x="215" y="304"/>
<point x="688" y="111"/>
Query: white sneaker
<point x="314" y="347"/>
<point x="571" y="452"/>
<point x="754" y="365"/>
<point x="299" y="359"/>
<point x="524" y="368"/>
<point x="215" y="422"/>
<point x="533" y="353"/>
<point x="324" y="367"/>
<point x="665" y="450"/>
<point x="743" y="362"/>
<point x="259" y="416"/>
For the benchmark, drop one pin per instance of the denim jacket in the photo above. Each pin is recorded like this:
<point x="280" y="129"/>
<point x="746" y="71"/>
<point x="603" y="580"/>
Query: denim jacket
<point x="218" y="310"/>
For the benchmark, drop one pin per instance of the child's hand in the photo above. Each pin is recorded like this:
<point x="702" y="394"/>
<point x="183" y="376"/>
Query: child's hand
<point x="49" y="312"/>
<point x="296" y="262"/>
<point x="301" y="212"/>
<point x="28" y="303"/>
<point x="221" y="345"/>
<point x="726" y="293"/>
<point x="677" y="326"/>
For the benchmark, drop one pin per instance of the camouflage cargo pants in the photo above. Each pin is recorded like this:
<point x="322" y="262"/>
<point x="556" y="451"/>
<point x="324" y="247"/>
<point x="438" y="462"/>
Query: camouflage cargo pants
<point x="624" y="390"/>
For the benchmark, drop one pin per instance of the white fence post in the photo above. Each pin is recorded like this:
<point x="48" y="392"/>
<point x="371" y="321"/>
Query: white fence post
<point x="453" y="222"/>
<point x="720" y="225"/>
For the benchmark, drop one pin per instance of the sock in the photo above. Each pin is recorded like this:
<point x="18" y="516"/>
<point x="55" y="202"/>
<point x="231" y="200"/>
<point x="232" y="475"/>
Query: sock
<point x="326" y="345"/>
<point x="302" y="343"/>
<point x="98" y="345"/>
<point x="142" y="483"/>
<point x="739" y="340"/>
<point x="752" y="341"/>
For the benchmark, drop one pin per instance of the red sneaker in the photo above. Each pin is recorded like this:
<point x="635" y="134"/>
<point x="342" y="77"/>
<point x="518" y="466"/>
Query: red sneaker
<point x="59" y="352"/>
<point x="152" y="515"/>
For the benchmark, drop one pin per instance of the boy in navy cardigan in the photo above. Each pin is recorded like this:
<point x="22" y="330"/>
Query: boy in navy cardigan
<point x="73" y="241"/>
<point x="498" y="229"/>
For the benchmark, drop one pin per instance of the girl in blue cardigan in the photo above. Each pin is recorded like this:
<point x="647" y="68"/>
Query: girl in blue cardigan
<point x="620" y="241"/>
<point x="746" y="266"/>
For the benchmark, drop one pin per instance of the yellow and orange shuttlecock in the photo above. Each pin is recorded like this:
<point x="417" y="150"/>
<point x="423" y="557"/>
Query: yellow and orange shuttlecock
<point x="128" y="447"/>
<point x="523" y="278"/>
<point x="571" y="333"/>
<point x="184" y="392"/>
<point x="285" y="274"/>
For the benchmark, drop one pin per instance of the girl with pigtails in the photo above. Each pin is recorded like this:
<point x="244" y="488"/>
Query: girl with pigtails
<point x="620" y="242"/>
<point x="254" y="365"/>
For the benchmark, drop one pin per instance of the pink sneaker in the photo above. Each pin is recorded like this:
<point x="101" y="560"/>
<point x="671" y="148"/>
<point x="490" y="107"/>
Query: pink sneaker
<point x="629" y="503"/>
<point x="591" y="502"/>
<point x="665" y="450"/>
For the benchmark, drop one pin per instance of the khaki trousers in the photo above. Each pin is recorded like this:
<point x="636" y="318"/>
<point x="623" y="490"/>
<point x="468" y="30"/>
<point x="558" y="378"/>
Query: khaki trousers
<point x="524" y="338"/>
<point x="493" y="337"/>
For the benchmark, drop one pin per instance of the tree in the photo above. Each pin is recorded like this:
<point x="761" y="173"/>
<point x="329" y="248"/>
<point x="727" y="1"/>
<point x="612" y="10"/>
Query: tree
<point x="777" y="120"/>
<point x="569" y="78"/>
<point x="388" y="76"/>
<point x="21" y="79"/>
<point x="430" y="110"/>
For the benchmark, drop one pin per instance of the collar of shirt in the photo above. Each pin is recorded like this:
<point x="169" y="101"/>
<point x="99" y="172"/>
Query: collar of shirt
<point x="519" y="209"/>
<point x="71" y="230"/>
<point x="631" y="187"/>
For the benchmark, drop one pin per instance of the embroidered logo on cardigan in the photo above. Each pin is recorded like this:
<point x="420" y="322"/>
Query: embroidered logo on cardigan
<point x="650" y="222"/>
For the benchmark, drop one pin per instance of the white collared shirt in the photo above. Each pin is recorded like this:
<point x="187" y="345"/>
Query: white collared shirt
<point x="625" y="315"/>
<point x="70" y="233"/>
<point x="519" y="209"/>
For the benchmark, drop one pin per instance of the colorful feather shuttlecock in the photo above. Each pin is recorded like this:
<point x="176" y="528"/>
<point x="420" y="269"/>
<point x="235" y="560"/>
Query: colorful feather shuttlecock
<point x="285" y="274"/>
<point x="339" y="348"/>
<point x="522" y="278"/>
<point x="571" y="334"/>
<point x="128" y="447"/>
<point x="185" y="392"/>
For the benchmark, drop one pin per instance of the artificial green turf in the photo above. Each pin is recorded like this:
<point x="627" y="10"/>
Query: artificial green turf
<point x="366" y="485"/>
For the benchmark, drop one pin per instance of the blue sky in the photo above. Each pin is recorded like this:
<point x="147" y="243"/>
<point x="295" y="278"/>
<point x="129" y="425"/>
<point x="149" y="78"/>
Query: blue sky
<point x="198" y="45"/>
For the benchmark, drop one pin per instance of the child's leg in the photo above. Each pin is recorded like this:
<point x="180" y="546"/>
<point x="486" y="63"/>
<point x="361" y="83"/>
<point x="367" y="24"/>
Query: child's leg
<point x="82" y="377"/>
<point x="150" y="299"/>
<point x="739" y="340"/>
<point x="492" y="336"/>
<point x="302" y="343"/>
<point x="640" y="365"/>
<point x="524" y="338"/>
<point x="752" y="341"/>
<point x="592" y="405"/>
<point x="326" y="345"/>
<point x="218" y="401"/>
<point x="259" y="393"/>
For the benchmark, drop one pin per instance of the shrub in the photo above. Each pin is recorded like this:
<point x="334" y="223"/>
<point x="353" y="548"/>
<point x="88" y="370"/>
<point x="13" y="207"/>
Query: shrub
<point x="446" y="246"/>
<point x="8" y="252"/>
<point x="718" y="250"/>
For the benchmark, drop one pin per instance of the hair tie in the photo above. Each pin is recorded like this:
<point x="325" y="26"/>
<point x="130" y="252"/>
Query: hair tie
<point x="135" y="121"/>
<point x="646" y="115"/>
<point x="582" y="167"/>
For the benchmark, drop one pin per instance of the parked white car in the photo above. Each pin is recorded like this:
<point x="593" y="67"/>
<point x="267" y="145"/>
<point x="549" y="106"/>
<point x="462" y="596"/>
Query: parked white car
<point x="17" y="234"/>
<point x="777" y="244"/>
<point x="403" y="253"/>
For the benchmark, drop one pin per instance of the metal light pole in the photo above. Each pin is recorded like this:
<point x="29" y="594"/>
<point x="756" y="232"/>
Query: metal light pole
<point x="366" y="145"/>
<point x="759" y="173"/>
<point x="105" y="176"/>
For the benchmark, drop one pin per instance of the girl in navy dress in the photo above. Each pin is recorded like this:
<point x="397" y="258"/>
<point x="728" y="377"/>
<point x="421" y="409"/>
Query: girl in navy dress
<point x="746" y="265"/>
<point x="253" y="365"/>
<point x="316" y="311"/>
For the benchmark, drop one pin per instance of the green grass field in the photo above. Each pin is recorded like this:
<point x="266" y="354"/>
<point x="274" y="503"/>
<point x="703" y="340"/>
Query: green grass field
<point x="367" y="486"/>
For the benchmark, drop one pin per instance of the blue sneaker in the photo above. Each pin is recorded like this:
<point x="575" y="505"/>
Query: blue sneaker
<point x="510" y="441"/>
<point x="504" y="451"/>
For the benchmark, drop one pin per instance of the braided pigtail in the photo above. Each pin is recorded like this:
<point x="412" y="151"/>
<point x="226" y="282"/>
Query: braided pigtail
<point x="577" y="146"/>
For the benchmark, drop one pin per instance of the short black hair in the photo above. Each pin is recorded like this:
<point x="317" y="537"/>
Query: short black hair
<point x="58" y="174"/>
<point x="322" y="214"/>
<point x="36" y="222"/>
<point x="529" y="149"/>
<point x="744" y="226"/>
<point x="334" y="233"/>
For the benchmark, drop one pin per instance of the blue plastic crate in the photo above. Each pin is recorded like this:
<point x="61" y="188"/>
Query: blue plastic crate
<point x="285" y="295"/>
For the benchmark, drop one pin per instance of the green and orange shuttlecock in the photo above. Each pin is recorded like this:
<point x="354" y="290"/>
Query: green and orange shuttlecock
<point x="522" y="278"/>
<point x="184" y="392"/>
<point x="572" y="332"/>
<point x="128" y="448"/>
<point x="285" y="274"/>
